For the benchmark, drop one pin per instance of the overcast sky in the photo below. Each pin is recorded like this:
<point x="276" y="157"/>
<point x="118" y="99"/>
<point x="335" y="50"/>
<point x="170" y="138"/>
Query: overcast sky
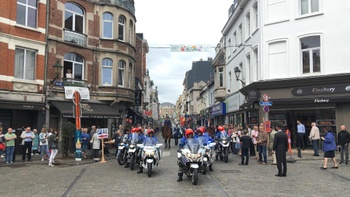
<point x="171" y="22"/>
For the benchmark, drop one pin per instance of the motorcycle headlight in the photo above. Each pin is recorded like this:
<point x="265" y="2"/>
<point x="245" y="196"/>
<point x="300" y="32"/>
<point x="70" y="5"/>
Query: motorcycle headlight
<point x="199" y="155"/>
<point x="188" y="155"/>
<point x="132" y="146"/>
<point x="224" y="141"/>
<point x="149" y="153"/>
<point x="122" y="144"/>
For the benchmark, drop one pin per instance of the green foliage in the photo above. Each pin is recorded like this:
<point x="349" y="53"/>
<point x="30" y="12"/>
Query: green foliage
<point x="68" y="132"/>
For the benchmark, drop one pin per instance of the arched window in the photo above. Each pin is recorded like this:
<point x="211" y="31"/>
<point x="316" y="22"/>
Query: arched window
<point x="121" y="28"/>
<point x="75" y="63"/>
<point x="131" y="27"/>
<point x="130" y="74"/>
<point x="107" y="25"/>
<point x="121" y="69"/>
<point x="74" y="18"/>
<point x="107" y="65"/>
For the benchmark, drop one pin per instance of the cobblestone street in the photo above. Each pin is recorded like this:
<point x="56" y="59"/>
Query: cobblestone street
<point x="68" y="178"/>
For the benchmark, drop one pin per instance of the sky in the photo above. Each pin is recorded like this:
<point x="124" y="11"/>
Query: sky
<point x="178" y="22"/>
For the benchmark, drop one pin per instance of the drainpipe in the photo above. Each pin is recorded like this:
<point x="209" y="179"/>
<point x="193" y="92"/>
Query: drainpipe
<point x="47" y="106"/>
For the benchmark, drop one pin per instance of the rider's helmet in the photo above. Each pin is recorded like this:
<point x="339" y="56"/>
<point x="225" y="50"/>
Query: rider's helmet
<point x="188" y="132"/>
<point x="150" y="131"/>
<point x="200" y="129"/>
<point x="133" y="130"/>
<point x="221" y="128"/>
<point x="138" y="129"/>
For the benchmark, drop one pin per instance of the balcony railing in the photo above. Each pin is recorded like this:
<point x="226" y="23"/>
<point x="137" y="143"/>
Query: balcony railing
<point x="73" y="37"/>
<point x="74" y="82"/>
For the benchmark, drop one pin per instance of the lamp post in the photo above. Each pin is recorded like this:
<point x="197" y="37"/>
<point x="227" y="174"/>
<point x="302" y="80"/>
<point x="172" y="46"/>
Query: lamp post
<point x="57" y="68"/>
<point x="238" y="73"/>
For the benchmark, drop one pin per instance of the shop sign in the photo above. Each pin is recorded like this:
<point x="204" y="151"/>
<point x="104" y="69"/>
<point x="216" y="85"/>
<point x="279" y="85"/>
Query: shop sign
<point x="218" y="109"/>
<point x="321" y="90"/>
<point x="233" y="102"/>
<point x="69" y="91"/>
<point x="321" y="101"/>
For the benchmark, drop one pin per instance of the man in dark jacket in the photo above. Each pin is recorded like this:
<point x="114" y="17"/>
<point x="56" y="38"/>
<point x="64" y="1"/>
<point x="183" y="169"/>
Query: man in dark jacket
<point x="280" y="147"/>
<point x="343" y="144"/>
<point x="246" y="142"/>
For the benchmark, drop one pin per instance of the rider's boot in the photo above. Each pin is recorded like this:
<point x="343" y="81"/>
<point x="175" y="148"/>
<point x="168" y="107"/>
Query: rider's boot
<point x="216" y="157"/>
<point x="140" y="170"/>
<point x="211" y="167"/>
<point x="127" y="165"/>
<point x="179" y="176"/>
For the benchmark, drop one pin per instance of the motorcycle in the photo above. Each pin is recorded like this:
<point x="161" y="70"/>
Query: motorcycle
<point x="224" y="147"/>
<point x="207" y="147"/>
<point x="150" y="155"/>
<point x="191" y="159"/>
<point x="133" y="150"/>
<point x="122" y="152"/>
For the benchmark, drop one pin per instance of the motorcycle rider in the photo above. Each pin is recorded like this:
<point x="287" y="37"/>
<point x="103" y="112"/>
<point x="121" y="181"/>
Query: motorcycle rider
<point x="154" y="140"/>
<point x="205" y="139"/>
<point x="188" y="134"/>
<point x="221" y="133"/>
<point x="128" y="137"/>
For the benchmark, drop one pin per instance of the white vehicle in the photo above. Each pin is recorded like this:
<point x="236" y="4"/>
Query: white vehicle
<point x="150" y="155"/>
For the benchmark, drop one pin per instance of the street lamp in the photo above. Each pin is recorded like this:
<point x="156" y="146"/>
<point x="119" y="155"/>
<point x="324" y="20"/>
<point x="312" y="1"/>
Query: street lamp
<point x="57" y="68"/>
<point x="238" y="73"/>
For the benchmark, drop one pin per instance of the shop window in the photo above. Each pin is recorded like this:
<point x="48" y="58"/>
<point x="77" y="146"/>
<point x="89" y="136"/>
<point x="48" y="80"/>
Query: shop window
<point x="27" y="13"/>
<point x="310" y="54"/>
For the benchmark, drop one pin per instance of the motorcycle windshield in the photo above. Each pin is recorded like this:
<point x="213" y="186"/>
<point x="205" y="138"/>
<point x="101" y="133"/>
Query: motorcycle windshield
<point x="125" y="138"/>
<point x="134" y="138"/>
<point x="203" y="140"/>
<point x="193" y="145"/>
<point x="150" y="141"/>
<point x="223" y="135"/>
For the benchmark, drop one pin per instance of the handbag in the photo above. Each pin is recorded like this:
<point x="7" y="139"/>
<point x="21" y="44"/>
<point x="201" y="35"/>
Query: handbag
<point x="2" y="146"/>
<point x="43" y="141"/>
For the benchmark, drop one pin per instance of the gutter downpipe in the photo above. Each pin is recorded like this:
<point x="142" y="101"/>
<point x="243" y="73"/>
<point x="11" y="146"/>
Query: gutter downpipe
<point x="47" y="106"/>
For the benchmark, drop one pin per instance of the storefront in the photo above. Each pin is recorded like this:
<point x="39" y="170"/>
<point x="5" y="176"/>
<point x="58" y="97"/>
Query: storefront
<point x="233" y="113"/>
<point x="324" y="100"/>
<point x="218" y="113"/>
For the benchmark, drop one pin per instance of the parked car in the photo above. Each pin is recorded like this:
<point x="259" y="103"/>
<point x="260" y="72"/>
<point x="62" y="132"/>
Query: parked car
<point x="180" y="134"/>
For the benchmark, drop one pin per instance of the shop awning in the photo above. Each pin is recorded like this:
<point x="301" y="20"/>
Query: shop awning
<point x="89" y="110"/>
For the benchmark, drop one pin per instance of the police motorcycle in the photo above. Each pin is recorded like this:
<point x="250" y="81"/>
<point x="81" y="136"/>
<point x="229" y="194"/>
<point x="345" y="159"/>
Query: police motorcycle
<point x="223" y="146"/>
<point x="122" y="151"/>
<point x="133" y="150"/>
<point x="207" y="147"/>
<point x="150" y="155"/>
<point x="191" y="159"/>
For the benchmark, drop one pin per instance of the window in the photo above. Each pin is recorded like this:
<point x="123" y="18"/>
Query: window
<point x="240" y="36"/>
<point x="250" y="69"/>
<point x="309" y="6"/>
<point x="234" y="40"/>
<point x="121" y="67"/>
<point x="27" y="13"/>
<point x="310" y="53"/>
<point x="247" y="19"/>
<point x="107" y="65"/>
<point x="242" y="75"/>
<point x="278" y="66"/>
<point x="256" y="55"/>
<point x="221" y="77"/>
<point x="25" y="64"/>
<point x="121" y="28"/>
<point x="107" y="25"/>
<point x="74" y="18"/>
<point x="131" y="27"/>
<point x="256" y="13"/>
<point x="229" y="48"/>
<point x="75" y="63"/>
<point x="130" y="75"/>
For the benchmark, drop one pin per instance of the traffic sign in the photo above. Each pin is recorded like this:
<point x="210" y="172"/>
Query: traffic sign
<point x="102" y="133"/>
<point x="265" y="103"/>
<point x="266" y="109"/>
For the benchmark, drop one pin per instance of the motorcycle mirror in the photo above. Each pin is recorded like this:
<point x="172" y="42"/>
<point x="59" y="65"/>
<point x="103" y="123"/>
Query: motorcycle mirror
<point x="159" y="145"/>
<point x="140" y="145"/>
<point x="212" y="144"/>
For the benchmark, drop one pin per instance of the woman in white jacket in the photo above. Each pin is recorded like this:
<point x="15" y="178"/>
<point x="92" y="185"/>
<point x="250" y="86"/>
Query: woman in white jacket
<point x="95" y="147"/>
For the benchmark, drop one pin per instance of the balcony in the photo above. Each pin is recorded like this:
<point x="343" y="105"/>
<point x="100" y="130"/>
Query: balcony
<point x="219" y="94"/>
<point x="74" y="82"/>
<point x="73" y="37"/>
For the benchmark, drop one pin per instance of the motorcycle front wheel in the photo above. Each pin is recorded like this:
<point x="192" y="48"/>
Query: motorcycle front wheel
<point x="149" y="169"/>
<point x="226" y="156"/>
<point x="132" y="162"/>
<point x="121" y="159"/>
<point x="195" y="176"/>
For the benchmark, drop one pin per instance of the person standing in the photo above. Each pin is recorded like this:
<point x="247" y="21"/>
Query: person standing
<point x="10" y="145"/>
<point x="300" y="137"/>
<point x="95" y="147"/>
<point x="272" y="138"/>
<point x="44" y="148"/>
<point x="176" y="134"/>
<point x="262" y="143"/>
<point x="329" y="147"/>
<point x="343" y="144"/>
<point x="53" y="139"/>
<point x="253" y="134"/>
<point x="35" y="145"/>
<point x="85" y="141"/>
<point x="314" y="137"/>
<point x="245" y="141"/>
<point x="28" y="137"/>
<point x="93" y="130"/>
<point x="280" y="147"/>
